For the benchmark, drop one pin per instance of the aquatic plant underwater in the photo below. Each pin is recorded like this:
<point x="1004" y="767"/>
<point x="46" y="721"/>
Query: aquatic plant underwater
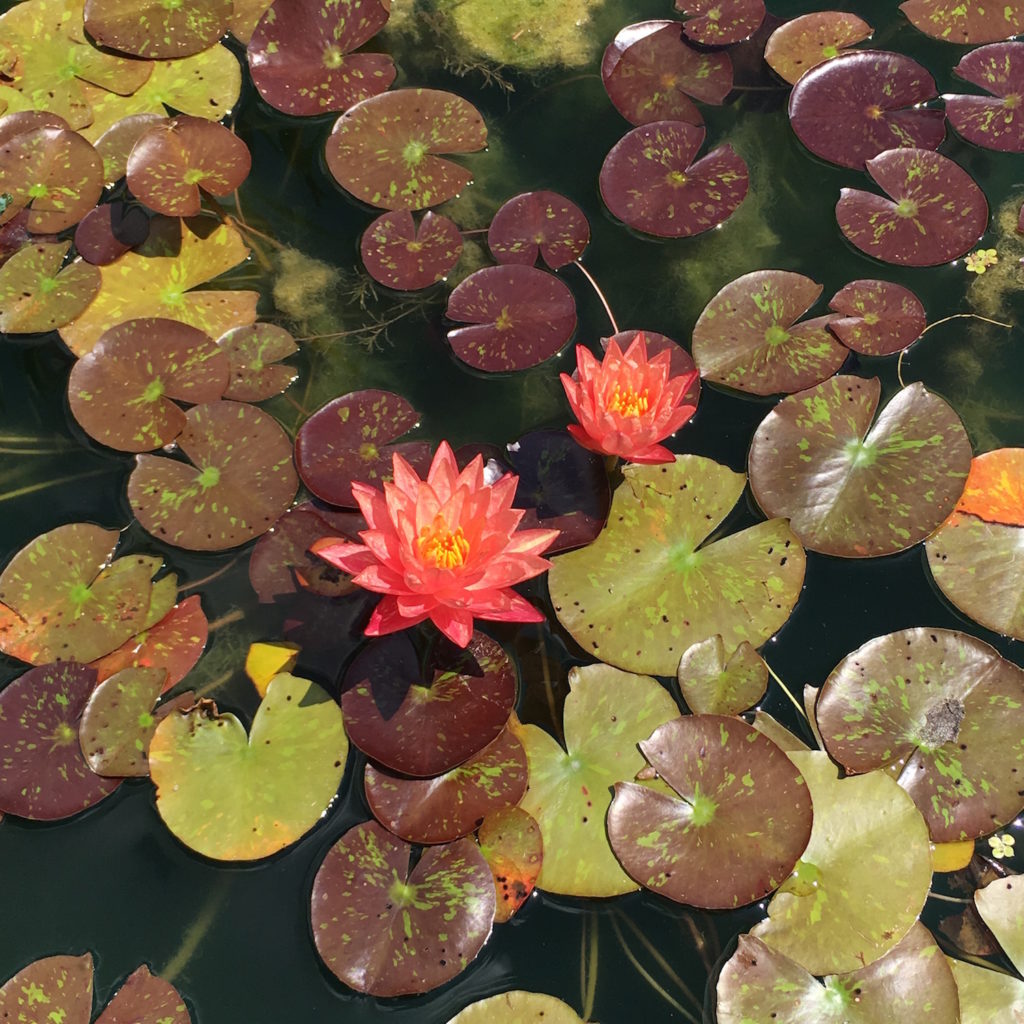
<point x="671" y="674"/>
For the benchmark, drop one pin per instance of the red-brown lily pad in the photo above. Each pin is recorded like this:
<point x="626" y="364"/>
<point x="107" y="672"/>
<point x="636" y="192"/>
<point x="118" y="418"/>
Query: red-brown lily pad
<point x="852" y="108"/>
<point x="241" y="479"/>
<point x="43" y="773"/>
<point x="424" y="720"/>
<point x="121" y="391"/>
<point x="748" y="337"/>
<point x="945" y="704"/>
<point x="721" y="22"/>
<point x="116" y="143"/>
<point x="965" y="21"/>
<point x="54" y="988"/>
<point x="805" y="42"/>
<point x="301" y="59"/>
<point x="878" y="317"/>
<point x="145" y="999"/>
<point x="401" y="254"/>
<point x="935" y="214"/>
<point x="852" y="489"/>
<point x="996" y="121"/>
<point x="254" y="351"/>
<point x="538" y="223"/>
<point x="350" y="438"/>
<point x="109" y="230"/>
<point x="714" y="683"/>
<point x="37" y="295"/>
<point x="650" y="182"/>
<point x="519" y="317"/>
<point x="651" y="73"/>
<point x="511" y="843"/>
<point x="155" y="28"/>
<point x="28" y="120"/>
<point x="385" y="149"/>
<point x="386" y="929"/>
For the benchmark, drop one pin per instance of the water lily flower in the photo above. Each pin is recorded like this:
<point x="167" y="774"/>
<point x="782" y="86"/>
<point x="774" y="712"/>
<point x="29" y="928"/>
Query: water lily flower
<point x="981" y="259"/>
<point x="445" y="549"/>
<point x="627" y="403"/>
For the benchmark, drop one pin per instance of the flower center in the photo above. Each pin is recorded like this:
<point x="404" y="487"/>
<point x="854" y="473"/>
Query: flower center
<point x="442" y="548"/>
<point x="629" y="402"/>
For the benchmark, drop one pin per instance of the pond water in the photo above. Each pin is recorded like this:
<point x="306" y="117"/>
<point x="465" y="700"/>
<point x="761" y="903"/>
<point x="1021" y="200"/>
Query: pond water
<point x="236" y="939"/>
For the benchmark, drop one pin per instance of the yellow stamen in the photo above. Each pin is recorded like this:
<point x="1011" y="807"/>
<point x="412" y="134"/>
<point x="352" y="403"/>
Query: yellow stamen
<point x="442" y="548"/>
<point x="629" y="402"/>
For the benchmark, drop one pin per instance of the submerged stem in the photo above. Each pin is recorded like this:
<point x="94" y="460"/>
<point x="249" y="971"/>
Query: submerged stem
<point x="944" y="320"/>
<point x="658" y="958"/>
<point x="786" y="690"/>
<point x="42" y="485"/>
<point x="588" y="963"/>
<point x="195" y="933"/>
<point x="600" y="294"/>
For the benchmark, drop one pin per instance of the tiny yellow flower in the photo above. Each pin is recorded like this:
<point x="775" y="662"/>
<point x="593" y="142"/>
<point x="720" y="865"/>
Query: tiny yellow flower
<point x="1002" y="846"/>
<point x="978" y="261"/>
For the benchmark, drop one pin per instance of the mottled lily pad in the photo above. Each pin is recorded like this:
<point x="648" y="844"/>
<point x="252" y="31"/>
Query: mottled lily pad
<point x="511" y="843"/>
<point x="995" y="487"/>
<point x="985" y="994"/>
<point x="811" y="39"/>
<point x="713" y="683"/>
<point x="254" y="352"/>
<point x="116" y="143"/>
<point x="157" y="29"/>
<point x="538" y="223"/>
<point x="230" y="796"/>
<point x="852" y="489"/>
<point x="935" y="214"/>
<point x="965" y="21"/>
<point x="518" y="1007"/>
<point x="852" y="108"/>
<point x="145" y="999"/>
<point x="878" y="317"/>
<point x="1001" y="905"/>
<point x="386" y="930"/>
<point x="401" y="254"/>
<point x="519" y="317"/>
<point x="108" y="231"/>
<point x="241" y="479"/>
<point x="996" y="121"/>
<point x="748" y="337"/>
<point x="37" y="295"/>
<point x="942" y="703"/>
<point x="650" y="182"/>
<point x="60" y="984"/>
<point x="384" y="149"/>
<point x="721" y="22"/>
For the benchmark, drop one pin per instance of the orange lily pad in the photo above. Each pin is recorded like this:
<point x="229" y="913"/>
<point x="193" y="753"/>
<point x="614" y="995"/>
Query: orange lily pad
<point x="995" y="487"/>
<point x="511" y="843"/>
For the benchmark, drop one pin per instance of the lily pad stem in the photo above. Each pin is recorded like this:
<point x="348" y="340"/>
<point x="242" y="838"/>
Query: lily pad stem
<point x="785" y="689"/>
<point x="944" y="320"/>
<point x="604" y="302"/>
<point x="588" y="963"/>
<point x="192" y="584"/>
<point x="657" y="957"/>
<point x="20" y="492"/>
<point x="947" y="899"/>
<point x="235" y="615"/>
<point x="195" y="933"/>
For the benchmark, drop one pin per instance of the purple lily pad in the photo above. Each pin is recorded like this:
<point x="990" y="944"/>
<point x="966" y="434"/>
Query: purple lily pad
<point x="538" y="223"/>
<point x="301" y="59"/>
<point x="425" y="721"/>
<point x="803" y="43"/>
<point x="405" y="256"/>
<point x="721" y="22"/>
<point x="878" y="317"/>
<point x="61" y="984"/>
<point x="649" y="182"/>
<point x="43" y="773"/>
<point x="110" y="230"/>
<point x="965" y="21"/>
<point x="253" y="351"/>
<point x="512" y="845"/>
<point x="860" y="104"/>
<point x="651" y="73"/>
<point x="386" y="930"/>
<point x="350" y="438"/>
<point x="996" y="121"/>
<point x="520" y="316"/>
<point x="145" y="999"/>
<point x="935" y="214"/>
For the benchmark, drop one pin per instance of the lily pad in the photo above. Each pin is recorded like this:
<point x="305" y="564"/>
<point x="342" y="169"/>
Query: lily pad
<point x="156" y="29"/>
<point x="37" y="295"/>
<point x="935" y="214"/>
<point x="43" y="774"/>
<point x="405" y="256"/>
<point x="240" y="481"/>
<point x="1001" y="905"/>
<point x="301" y="59"/>
<point x="145" y="999"/>
<point x="384" y="149"/>
<point x="965" y="21"/>
<point x="995" y="487"/>
<point x="423" y="721"/>
<point x="538" y="223"/>
<point x="61" y="984"/>
<point x="108" y="231"/>
<point x="748" y="337"/>
<point x="650" y="182"/>
<point x="878" y="317"/>
<point x="121" y="391"/>
<point x="985" y="994"/>
<point x="511" y="843"/>
<point x="388" y="930"/>
<point x="518" y="1007"/>
<point x="519" y="317"/>
<point x="852" y="489"/>
<point x="116" y="143"/>
<point x="721" y="22"/>
<point x="861" y="104"/>
<point x="350" y="438"/>
<point x="863" y="879"/>
<point x="232" y="797"/>
<point x="713" y="683"/>
<point x="254" y="352"/>
<point x="995" y="122"/>
<point x="812" y="39"/>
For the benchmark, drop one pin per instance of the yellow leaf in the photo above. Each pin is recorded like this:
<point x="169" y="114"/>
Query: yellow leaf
<point x="264" y="661"/>
<point x="952" y="856"/>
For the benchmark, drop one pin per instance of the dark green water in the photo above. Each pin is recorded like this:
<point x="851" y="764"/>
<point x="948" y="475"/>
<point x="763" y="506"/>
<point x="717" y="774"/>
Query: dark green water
<point x="114" y="881"/>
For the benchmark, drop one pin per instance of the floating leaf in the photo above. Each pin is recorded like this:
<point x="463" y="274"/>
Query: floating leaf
<point x="540" y="223"/>
<point x="995" y="122"/>
<point x="386" y="930"/>
<point x="247" y="14"/>
<point x="157" y="30"/>
<point x="748" y="337"/>
<point x="37" y="295"/>
<point x="803" y="43"/>
<point x="965" y="21"/>
<point x="518" y="1007"/>
<point x="648" y="180"/>
<point x="109" y="231"/>
<point x="852" y="489"/>
<point x="511" y="844"/>
<point x="116" y="143"/>
<point x="721" y="22"/>
<point x="1001" y="905"/>
<point x="145" y="999"/>
<point x="232" y="797"/>
<point x="777" y="733"/>
<point x="985" y="994"/>
<point x="520" y="316"/>
<point x="383" y="150"/>
<point x="713" y="683"/>
<point x="400" y="254"/>
<point x="878" y="317"/>
<point x="264" y="661"/>
<point x="253" y="352"/>
<point x="55" y="988"/>
<point x="995" y="487"/>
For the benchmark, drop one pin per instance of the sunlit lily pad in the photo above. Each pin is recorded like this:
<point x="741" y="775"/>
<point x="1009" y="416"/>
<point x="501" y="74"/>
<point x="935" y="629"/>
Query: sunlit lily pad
<point x="350" y="438"/>
<point x="649" y="587"/>
<point x="878" y="317"/>
<point x="650" y="182"/>
<point x="145" y="999"/>
<point x="254" y="352"/>
<point x="606" y="713"/>
<point x="55" y="987"/>
<point x="811" y="39"/>
<point x="301" y="60"/>
<point x="852" y="108"/>
<point x="230" y="796"/>
<point x="121" y="391"/>
<point x="1001" y="905"/>
<point x="247" y="14"/>
<point x="28" y="120"/>
<point x="43" y="774"/>
<point x="401" y="254"/>
<point x="157" y="29"/>
<point x="713" y="683"/>
<point x="241" y="479"/>
<point x="996" y="121"/>
<point x="117" y="142"/>
<point x="985" y="994"/>
<point x="37" y="295"/>
<point x="748" y="337"/>
<point x="386" y="930"/>
<point x="651" y="73"/>
<point x="538" y="223"/>
<point x="863" y="879"/>
<point x="935" y="214"/>
<point x="965" y="21"/>
<point x="778" y="733"/>
<point x="108" y="231"/>
<point x="511" y="843"/>
<point x="721" y="22"/>
<point x="995" y="487"/>
<point x="519" y="317"/>
<point x="852" y="489"/>
<point x="518" y="1007"/>
<point x="384" y="149"/>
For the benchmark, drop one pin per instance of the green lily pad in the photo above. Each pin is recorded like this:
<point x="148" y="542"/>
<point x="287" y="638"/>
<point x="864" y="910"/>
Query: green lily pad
<point x="778" y="733"/>
<point x="157" y="29"/>
<point x="55" y="988"/>
<point x="713" y="683"/>
<point x="607" y="712"/>
<point x="386" y="930"/>
<point x="518" y="1007"/>
<point x="878" y="317"/>
<point x="854" y="490"/>
<point x="863" y="879"/>
<point x="985" y="994"/>
<point x="254" y="352"/>
<point x="511" y="843"/>
<point x="233" y="797"/>
<point x="1001" y="905"/>
<point x="652" y="585"/>
<point x="37" y="295"/>
<point x="145" y="999"/>
<point x="965" y="21"/>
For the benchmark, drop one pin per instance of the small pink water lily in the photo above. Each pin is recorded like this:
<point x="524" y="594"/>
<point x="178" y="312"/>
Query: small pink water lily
<point x="445" y="549"/>
<point x="627" y="403"/>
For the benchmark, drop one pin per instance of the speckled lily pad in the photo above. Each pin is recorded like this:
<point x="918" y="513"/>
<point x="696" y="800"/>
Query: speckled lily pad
<point x="145" y="999"/>
<point x="996" y="121"/>
<point x="110" y="230"/>
<point x="115" y="144"/>
<point x="713" y="683"/>
<point x="985" y="994"/>
<point x="401" y="254"/>
<point x="254" y="352"/>
<point x="157" y="29"/>
<point x="518" y="1007"/>
<point x="511" y="843"/>
<point x="965" y="21"/>
<point x="878" y="317"/>
<point x="61" y="984"/>
<point x="803" y="43"/>
<point x="541" y="223"/>
<point x="721" y="22"/>
<point x="37" y="295"/>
